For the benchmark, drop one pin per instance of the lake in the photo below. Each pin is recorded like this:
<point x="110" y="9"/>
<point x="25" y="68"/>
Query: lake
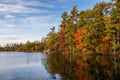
<point x="38" y="66"/>
<point x="23" y="66"/>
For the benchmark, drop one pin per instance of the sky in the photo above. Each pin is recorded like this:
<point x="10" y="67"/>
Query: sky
<point x="23" y="20"/>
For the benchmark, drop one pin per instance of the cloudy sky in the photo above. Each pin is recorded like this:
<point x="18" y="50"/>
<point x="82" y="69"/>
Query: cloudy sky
<point x="22" y="20"/>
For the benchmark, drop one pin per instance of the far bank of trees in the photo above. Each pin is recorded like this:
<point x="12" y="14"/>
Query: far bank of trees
<point x="95" y="30"/>
<point x="35" y="46"/>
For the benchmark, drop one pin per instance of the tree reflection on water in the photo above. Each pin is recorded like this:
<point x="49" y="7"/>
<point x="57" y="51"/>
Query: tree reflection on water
<point x="83" y="67"/>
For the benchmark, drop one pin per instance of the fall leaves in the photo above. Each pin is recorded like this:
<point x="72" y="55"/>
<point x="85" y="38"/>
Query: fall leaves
<point x="93" y="30"/>
<point x="79" y="36"/>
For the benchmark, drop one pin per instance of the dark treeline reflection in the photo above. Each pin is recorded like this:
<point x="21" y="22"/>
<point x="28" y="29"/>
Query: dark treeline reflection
<point x="76" y="67"/>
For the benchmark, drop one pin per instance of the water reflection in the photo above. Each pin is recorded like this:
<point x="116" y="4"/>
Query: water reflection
<point x="23" y="66"/>
<point x="15" y="60"/>
<point x="84" y="67"/>
<point x="34" y="66"/>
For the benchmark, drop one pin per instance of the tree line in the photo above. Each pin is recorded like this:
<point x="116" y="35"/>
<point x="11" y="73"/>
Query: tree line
<point x="95" y="30"/>
<point x="35" y="46"/>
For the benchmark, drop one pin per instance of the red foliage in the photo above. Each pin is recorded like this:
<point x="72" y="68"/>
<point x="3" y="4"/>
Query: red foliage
<point x="79" y="36"/>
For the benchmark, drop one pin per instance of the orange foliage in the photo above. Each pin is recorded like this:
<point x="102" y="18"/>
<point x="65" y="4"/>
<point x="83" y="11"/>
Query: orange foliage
<point x="84" y="31"/>
<point x="79" y="36"/>
<point x="106" y="38"/>
<point x="104" y="47"/>
<point x="79" y="45"/>
<point x="80" y="63"/>
<point x="79" y="70"/>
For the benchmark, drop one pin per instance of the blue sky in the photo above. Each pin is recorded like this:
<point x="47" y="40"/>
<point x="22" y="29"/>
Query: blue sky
<point x="22" y="20"/>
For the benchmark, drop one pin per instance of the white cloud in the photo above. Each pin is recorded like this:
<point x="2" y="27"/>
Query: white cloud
<point x="22" y="6"/>
<point x="10" y="39"/>
<point x="7" y="0"/>
<point x="4" y="31"/>
<point x="9" y="16"/>
<point x="35" y="3"/>
<point x="27" y="3"/>
<point x="2" y="22"/>
<point x="38" y="24"/>
<point x="9" y="8"/>
<point x="9" y="25"/>
<point x="37" y="19"/>
<point x="6" y="24"/>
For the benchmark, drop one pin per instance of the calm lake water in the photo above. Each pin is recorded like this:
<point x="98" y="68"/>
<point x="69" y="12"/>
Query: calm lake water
<point x="38" y="66"/>
<point x="23" y="66"/>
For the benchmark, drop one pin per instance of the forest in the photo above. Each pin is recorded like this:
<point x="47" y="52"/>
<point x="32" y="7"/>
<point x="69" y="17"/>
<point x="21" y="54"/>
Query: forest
<point x="95" y="30"/>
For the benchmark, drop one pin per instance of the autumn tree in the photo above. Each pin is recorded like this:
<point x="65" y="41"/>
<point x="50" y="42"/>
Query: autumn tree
<point x="51" y="40"/>
<point x="115" y="25"/>
<point x="69" y="27"/>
